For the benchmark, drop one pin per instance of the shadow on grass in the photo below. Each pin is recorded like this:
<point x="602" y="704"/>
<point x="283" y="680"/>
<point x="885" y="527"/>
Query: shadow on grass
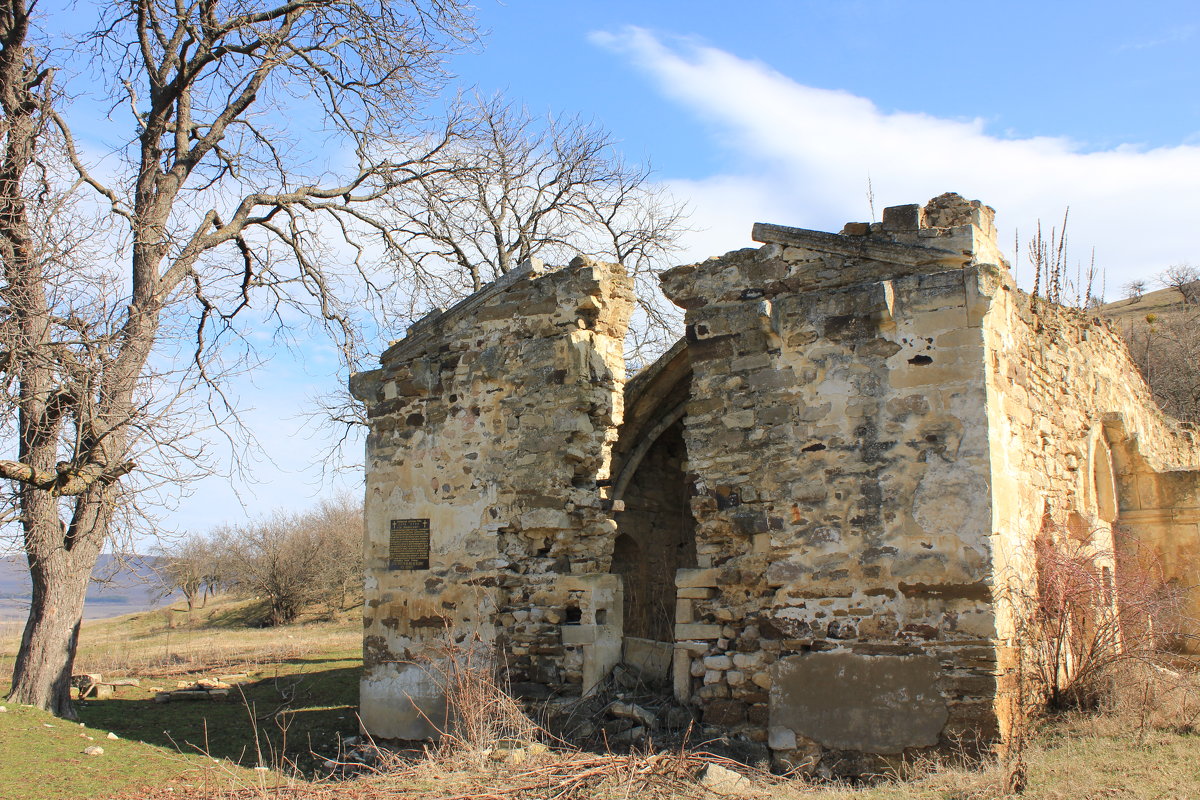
<point x="254" y="614"/>
<point x="269" y="722"/>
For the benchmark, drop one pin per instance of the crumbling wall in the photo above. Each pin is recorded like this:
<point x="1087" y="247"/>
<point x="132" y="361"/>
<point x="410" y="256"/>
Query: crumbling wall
<point x="1081" y="451"/>
<point x="837" y="433"/>
<point x="821" y="498"/>
<point x="491" y="426"/>
<point x="880" y="426"/>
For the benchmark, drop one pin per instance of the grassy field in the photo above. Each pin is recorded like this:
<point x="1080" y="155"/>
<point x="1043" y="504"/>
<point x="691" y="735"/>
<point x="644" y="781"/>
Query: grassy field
<point x="298" y="697"/>
<point x="298" y="700"/>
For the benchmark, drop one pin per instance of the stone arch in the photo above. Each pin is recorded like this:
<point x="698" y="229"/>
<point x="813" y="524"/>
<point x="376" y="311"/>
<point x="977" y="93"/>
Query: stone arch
<point x="651" y="496"/>
<point x="655" y="399"/>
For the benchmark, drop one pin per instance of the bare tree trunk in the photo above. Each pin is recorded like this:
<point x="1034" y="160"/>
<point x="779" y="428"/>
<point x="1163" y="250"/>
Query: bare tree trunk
<point x="42" y="676"/>
<point x="73" y="356"/>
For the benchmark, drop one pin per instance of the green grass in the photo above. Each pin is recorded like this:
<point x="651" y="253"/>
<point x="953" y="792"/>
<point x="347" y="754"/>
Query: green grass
<point x="43" y="759"/>
<point x="284" y="713"/>
<point x="299" y="697"/>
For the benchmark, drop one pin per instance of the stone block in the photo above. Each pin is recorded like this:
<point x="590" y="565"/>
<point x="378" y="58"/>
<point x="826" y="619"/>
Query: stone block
<point x="694" y="578"/>
<point x="696" y="630"/>
<point x="718" y="662"/>
<point x="873" y="704"/>
<point x="902" y="218"/>
<point x="780" y="738"/>
<point x="681" y="675"/>
<point x="578" y="634"/>
<point x="747" y="660"/>
<point x="683" y="611"/>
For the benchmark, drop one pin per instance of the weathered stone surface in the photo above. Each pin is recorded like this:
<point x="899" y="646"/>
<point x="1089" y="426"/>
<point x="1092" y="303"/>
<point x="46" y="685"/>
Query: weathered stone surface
<point x="697" y="631"/>
<point x="844" y="462"/>
<point x="725" y="782"/>
<point x="494" y="421"/>
<point x="874" y="704"/>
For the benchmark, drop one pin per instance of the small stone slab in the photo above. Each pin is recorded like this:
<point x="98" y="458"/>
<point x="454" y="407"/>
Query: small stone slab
<point x="696" y="630"/>
<point x="693" y="578"/>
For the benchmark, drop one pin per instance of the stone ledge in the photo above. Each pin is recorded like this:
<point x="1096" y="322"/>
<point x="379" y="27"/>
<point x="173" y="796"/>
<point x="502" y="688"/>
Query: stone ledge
<point x="857" y="246"/>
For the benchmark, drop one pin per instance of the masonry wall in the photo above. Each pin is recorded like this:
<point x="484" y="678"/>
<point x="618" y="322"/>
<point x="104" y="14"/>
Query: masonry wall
<point x="1081" y="451"/>
<point x="837" y="434"/>
<point x="823" y="500"/>
<point x="494" y="421"/>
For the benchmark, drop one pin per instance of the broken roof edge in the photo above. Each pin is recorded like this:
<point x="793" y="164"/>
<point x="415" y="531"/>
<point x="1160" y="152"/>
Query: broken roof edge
<point x="949" y="230"/>
<point x="424" y="328"/>
<point x="859" y="246"/>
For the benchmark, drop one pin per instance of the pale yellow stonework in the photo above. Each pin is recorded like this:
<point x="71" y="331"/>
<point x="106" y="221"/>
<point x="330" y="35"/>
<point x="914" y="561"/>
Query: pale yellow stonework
<point x="818" y="506"/>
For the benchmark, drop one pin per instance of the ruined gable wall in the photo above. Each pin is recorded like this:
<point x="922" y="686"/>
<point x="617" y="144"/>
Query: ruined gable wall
<point x="838" y="437"/>
<point x="1078" y="440"/>
<point x="494" y="421"/>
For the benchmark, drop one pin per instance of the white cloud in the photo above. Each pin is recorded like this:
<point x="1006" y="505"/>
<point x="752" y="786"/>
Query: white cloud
<point x="1174" y="35"/>
<point x="801" y="156"/>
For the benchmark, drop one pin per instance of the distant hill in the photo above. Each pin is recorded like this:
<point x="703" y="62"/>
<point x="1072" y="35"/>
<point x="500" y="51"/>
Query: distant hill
<point x="119" y="586"/>
<point x="1163" y="303"/>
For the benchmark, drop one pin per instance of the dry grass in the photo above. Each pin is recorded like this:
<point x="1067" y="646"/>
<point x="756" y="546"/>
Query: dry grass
<point x="566" y="775"/>
<point x="224" y="634"/>
<point x="1163" y="303"/>
<point x="1071" y="758"/>
<point x="480" y="711"/>
<point x="1142" y="748"/>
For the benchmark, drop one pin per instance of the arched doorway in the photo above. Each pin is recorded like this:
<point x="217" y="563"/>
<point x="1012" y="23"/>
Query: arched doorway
<point x="657" y="536"/>
<point x="656" y="533"/>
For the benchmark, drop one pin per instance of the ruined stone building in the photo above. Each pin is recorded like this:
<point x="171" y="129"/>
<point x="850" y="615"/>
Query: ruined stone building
<point x="803" y="516"/>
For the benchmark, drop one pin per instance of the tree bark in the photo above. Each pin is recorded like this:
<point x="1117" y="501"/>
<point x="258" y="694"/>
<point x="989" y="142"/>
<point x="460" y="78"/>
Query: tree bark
<point x="42" y="676"/>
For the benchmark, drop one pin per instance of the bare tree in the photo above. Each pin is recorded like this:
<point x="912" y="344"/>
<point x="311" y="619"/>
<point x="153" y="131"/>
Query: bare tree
<point x="1135" y="289"/>
<point x="189" y="565"/>
<point x="339" y="523"/>
<point x="294" y="559"/>
<point x="520" y="187"/>
<point x="214" y="206"/>
<point x="1183" y="277"/>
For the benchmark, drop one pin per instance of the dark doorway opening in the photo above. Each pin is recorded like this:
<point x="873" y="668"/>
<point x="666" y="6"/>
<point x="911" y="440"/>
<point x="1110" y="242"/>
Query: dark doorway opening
<point x="656" y="536"/>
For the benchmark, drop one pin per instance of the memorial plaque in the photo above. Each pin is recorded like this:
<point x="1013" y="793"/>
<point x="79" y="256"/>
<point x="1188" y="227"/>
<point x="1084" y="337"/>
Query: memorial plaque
<point x="408" y="547"/>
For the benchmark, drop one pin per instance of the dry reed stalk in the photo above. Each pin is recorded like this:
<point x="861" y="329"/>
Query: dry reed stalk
<point x="480" y="713"/>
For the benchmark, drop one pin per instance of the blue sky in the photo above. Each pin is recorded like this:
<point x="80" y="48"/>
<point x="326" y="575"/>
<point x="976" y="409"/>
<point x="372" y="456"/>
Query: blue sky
<point x="779" y="111"/>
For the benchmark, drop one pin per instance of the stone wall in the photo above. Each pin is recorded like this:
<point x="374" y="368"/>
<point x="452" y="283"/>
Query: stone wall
<point x="494" y="421"/>
<point x="838" y="437"/>
<point x="1081" y="451"/>
<point x="823" y="499"/>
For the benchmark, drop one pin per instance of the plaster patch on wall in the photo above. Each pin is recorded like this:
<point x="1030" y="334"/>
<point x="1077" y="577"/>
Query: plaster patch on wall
<point x="874" y="704"/>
